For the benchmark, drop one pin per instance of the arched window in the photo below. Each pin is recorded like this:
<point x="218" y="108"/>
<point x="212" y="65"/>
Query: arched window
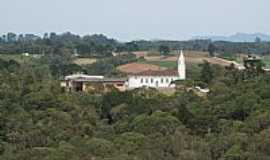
<point x="142" y="80"/>
<point x="162" y="80"/>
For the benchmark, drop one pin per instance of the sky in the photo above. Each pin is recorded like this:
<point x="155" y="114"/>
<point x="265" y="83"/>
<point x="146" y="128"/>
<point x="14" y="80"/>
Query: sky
<point x="136" y="19"/>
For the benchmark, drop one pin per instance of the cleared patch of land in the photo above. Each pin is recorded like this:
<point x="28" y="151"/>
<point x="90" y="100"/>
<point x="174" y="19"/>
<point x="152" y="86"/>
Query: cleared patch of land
<point x="137" y="67"/>
<point x="162" y="64"/>
<point x="140" y="53"/>
<point x="154" y="62"/>
<point x="85" y="61"/>
<point x="192" y="57"/>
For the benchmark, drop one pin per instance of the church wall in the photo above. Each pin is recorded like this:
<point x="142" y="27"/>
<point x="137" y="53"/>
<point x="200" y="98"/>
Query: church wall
<point x="151" y="81"/>
<point x="134" y="81"/>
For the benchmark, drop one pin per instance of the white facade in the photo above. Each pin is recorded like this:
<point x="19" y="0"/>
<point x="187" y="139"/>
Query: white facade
<point x="159" y="79"/>
<point x="181" y="66"/>
<point x="151" y="81"/>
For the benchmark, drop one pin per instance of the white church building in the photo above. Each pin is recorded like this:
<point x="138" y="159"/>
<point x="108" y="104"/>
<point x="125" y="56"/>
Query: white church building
<point x="158" y="79"/>
<point x="149" y="79"/>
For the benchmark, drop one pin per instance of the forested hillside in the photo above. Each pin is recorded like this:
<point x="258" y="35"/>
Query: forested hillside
<point x="39" y="121"/>
<point x="100" y="46"/>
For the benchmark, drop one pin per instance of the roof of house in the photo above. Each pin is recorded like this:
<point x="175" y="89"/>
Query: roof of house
<point x="158" y="73"/>
<point x="105" y="80"/>
<point x="92" y="78"/>
<point x="83" y="76"/>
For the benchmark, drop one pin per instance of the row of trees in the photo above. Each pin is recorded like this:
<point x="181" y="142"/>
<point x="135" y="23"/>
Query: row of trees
<point x="95" y="45"/>
<point x="101" y="46"/>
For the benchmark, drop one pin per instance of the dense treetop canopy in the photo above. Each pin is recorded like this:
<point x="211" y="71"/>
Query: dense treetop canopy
<point x="40" y="121"/>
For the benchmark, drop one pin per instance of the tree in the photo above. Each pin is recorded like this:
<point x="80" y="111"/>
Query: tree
<point x="157" y="123"/>
<point x="46" y="36"/>
<point x="211" y="49"/>
<point x="207" y="73"/>
<point x="258" y="40"/>
<point x="11" y="37"/>
<point x="99" y="147"/>
<point x="129" y="142"/>
<point x="259" y="67"/>
<point x="132" y="46"/>
<point x="164" y="50"/>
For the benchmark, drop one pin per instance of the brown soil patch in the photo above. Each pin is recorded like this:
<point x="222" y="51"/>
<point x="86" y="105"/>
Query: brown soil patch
<point x="85" y="61"/>
<point x="137" y="68"/>
<point x="193" y="57"/>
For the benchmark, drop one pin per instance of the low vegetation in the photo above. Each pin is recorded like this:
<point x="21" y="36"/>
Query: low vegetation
<point x="266" y="61"/>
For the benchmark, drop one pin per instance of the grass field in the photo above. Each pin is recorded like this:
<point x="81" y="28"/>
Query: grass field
<point x="266" y="61"/>
<point x="193" y="61"/>
<point x="192" y="57"/>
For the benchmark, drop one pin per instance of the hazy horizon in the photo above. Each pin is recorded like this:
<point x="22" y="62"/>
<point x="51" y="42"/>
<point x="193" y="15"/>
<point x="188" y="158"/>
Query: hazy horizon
<point x="130" y="20"/>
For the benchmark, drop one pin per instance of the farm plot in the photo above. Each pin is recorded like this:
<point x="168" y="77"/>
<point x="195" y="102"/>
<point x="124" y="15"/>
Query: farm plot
<point x="85" y="61"/>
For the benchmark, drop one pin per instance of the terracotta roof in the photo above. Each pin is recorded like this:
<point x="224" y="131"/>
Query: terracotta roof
<point x="158" y="73"/>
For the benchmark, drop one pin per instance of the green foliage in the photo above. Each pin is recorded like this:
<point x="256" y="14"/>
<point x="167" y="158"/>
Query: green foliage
<point x="100" y="46"/>
<point x="39" y="121"/>
<point x="157" y="123"/>
<point x="211" y="49"/>
<point x="129" y="142"/>
<point x="266" y="61"/>
<point x="108" y="66"/>
<point x="258" y="40"/>
<point x="229" y="56"/>
<point x="99" y="147"/>
<point x="207" y="73"/>
<point x="164" y="50"/>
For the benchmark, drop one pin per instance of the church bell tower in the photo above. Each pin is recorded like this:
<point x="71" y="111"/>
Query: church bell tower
<point x="181" y="66"/>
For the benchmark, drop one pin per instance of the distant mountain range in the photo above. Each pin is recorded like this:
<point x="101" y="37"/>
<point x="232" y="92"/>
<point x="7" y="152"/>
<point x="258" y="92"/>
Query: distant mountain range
<point x="238" y="37"/>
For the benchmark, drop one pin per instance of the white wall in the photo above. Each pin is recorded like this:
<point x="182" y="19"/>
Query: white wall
<point x="135" y="81"/>
<point x="182" y="66"/>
